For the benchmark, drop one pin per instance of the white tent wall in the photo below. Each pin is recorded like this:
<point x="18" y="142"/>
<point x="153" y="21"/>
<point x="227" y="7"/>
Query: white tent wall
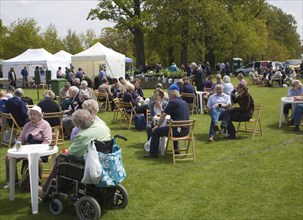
<point x="98" y="55"/>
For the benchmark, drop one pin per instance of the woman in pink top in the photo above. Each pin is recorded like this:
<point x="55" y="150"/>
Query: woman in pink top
<point x="36" y="131"/>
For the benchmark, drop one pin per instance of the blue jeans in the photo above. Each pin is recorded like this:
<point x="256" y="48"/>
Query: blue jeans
<point x="162" y="132"/>
<point x="297" y="115"/>
<point x="231" y="115"/>
<point x="215" y="115"/>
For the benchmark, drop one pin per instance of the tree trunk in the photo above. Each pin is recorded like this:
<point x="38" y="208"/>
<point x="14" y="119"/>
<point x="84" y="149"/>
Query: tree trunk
<point x="139" y="47"/>
<point x="184" y="44"/>
<point x="170" y="55"/>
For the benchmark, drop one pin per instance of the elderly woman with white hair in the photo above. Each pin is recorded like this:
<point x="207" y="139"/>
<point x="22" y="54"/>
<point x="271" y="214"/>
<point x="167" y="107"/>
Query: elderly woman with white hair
<point x="84" y="87"/>
<point x="93" y="107"/>
<point x="36" y="131"/>
<point x="227" y="86"/>
<point x="90" y="129"/>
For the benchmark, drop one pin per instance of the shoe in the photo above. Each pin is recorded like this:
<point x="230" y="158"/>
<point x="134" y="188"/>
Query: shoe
<point x="41" y="193"/>
<point x="211" y="139"/>
<point x="291" y="122"/>
<point x="223" y="131"/>
<point x="232" y="136"/>
<point x="216" y="128"/>
<point x="7" y="185"/>
<point x="296" y="128"/>
<point x="150" y="156"/>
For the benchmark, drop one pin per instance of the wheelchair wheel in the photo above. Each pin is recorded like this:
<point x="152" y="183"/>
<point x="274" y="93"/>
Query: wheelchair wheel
<point x="120" y="199"/>
<point x="56" y="206"/>
<point x="87" y="208"/>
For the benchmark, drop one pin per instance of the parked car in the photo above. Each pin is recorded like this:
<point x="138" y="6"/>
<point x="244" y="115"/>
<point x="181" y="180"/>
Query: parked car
<point x="248" y="67"/>
<point x="294" y="63"/>
<point x="257" y="64"/>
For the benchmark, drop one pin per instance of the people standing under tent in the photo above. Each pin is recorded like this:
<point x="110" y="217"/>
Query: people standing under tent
<point x="59" y="73"/>
<point x="24" y="74"/>
<point x="42" y="75"/>
<point x="12" y="77"/>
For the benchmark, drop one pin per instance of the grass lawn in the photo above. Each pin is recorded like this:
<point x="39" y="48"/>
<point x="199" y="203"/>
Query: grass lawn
<point x="231" y="179"/>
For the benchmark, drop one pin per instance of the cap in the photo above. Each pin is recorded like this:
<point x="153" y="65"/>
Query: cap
<point x="36" y="108"/>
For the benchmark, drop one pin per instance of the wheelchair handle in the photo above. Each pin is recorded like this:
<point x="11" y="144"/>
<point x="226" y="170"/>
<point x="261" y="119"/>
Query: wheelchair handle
<point x="121" y="137"/>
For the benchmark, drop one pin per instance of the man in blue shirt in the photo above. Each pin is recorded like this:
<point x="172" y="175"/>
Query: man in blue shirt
<point x="24" y="74"/>
<point x="178" y="111"/>
<point x="177" y="86"/>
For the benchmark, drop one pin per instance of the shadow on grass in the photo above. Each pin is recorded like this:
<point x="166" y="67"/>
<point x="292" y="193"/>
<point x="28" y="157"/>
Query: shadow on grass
<point x="285" y="128"/>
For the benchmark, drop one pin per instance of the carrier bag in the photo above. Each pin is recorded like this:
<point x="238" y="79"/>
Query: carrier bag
<point x="113" y="169"/>
<point x="140" y="122"/>
<point x="93" y="167"/>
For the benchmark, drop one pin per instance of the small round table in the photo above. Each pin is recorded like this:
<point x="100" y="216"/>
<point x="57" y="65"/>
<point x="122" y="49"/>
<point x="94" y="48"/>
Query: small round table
<point x="32" y="153"/>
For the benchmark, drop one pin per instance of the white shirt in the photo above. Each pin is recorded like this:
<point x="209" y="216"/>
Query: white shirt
<point x="215" y="99"/>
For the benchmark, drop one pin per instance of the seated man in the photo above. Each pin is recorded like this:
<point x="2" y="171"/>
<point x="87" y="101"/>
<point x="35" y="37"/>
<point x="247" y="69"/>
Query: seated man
<point x="242" y="113"/>
<point x="17" y="108"/>
<point x="298" y="113"/>
<point x="90" y="129"/>
<point x="178" y="110"/>
<point x="216" y="105"/>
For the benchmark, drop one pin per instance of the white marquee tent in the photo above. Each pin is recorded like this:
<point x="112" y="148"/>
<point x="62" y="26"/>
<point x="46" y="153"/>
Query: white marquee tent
<point x="32" y="58"/>
<point x="98" y="55"/>
<point x="64" y="56"/>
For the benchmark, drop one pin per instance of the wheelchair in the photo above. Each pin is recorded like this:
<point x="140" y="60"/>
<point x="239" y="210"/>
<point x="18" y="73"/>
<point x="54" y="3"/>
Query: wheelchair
<point x="86" y="198"/>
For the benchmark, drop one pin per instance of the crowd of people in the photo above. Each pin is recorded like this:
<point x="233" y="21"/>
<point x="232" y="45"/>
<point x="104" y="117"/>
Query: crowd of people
<point x="81" y="124"/>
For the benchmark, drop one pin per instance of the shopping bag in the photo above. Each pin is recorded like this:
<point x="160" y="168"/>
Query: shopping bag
<point x="93" y="167"/>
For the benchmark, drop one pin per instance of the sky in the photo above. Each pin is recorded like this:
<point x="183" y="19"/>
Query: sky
<point x="72" y="14"/>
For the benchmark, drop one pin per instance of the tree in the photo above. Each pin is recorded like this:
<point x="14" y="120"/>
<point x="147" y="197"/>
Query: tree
<point x="50" y="40"/>
<point x="72" y="43"/>
<point x="3" y="33"/>
<point x="118" y="40"/>
<point x="21" y="35"/>
<point x="131" y="15"/>
<point x="88" y="38"/>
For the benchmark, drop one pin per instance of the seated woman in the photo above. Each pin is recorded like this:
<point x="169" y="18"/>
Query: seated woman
<point x="75" y="105"/>
<point x="227" y="86"/>
<point x="138" y="90"/>
<point x="93" y="107"/>
<point x="242" y="113"/>
<point x="156" y="108"/>
<point x="84" y="87"/>
<point x="295" y="90"/>
<point x="37" y="130"/>
<point x="90" y="129"/>
<point x="128" y="97"/>
<point x="216" y="105"/>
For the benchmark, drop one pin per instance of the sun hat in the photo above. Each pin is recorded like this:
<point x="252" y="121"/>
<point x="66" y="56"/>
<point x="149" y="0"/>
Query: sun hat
<point x="36" y="108"/>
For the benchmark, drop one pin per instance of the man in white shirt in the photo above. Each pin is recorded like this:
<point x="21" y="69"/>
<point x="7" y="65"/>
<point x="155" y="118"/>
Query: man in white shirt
<point x="216" y="105"/>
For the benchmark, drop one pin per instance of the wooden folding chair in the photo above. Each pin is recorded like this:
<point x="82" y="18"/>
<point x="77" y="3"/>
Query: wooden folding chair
<point x="13" y="129"/>
<point x="147" y="115"/>
<point x="128" y="113"/>
<point x="256" y="122"/>
<point x="184" y="152"/>
<point x="59" y="115"/>
<point x="103" y="100"/>
<point x="192" y="105"/>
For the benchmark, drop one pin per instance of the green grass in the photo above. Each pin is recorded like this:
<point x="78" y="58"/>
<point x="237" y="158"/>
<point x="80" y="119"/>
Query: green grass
<point x="231" y="179"/>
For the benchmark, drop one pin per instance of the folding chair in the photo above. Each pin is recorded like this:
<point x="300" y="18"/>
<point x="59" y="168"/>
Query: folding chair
<point x="13" y="129"/>
<point x="128" y="113"/>
<point x="191" y="100"/>
<point x="185" y="152"/>
<point x="59" y="115"/>
<point x="147" y="115"/>
<point x="255" y="120"/>
<point x="103" y="100"/>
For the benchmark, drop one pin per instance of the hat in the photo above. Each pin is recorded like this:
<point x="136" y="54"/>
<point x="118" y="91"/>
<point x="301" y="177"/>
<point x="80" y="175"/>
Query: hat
<point x="8" y="96"/>
<point x="36" y="108"/>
